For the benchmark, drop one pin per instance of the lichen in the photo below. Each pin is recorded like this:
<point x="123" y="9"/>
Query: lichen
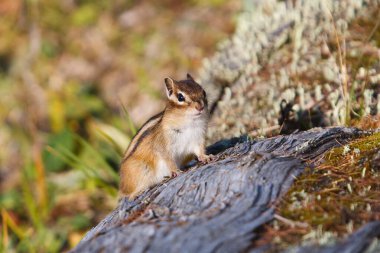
<point x="333" y="199"/>
<point x="321" y="56"/>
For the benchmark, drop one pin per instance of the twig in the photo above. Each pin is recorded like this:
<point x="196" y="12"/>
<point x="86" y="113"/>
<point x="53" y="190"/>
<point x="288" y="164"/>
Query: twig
<point x="291" y="223"/>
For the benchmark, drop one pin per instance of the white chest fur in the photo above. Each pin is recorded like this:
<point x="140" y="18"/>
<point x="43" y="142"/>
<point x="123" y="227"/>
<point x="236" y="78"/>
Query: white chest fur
<point x="162" y="170"/>
<point x="187" y="140"/>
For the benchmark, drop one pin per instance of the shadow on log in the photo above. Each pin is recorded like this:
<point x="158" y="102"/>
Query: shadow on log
<point x="220" y="206"/>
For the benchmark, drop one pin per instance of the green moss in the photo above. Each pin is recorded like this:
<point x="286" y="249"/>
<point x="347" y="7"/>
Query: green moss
<point x="365" y="145"/>
<point x="339" y="195"/>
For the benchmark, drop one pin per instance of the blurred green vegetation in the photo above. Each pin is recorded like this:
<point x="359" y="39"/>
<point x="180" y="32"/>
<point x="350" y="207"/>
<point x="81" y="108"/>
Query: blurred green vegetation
<point x="70" y="71"/>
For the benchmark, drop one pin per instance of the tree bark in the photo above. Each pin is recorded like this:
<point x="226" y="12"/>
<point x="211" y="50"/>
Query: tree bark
<point x="219" y="206"/>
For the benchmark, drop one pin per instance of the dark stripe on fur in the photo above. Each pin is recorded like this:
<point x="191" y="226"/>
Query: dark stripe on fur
<point x="144" y="134"/>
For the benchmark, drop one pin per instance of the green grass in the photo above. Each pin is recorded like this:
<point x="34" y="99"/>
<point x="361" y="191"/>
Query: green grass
<point x="63" y="139"/>
<point x="37" y="198"/>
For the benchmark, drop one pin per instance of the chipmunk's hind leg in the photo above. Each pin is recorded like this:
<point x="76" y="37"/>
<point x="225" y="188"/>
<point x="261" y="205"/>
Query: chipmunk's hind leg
<point x="136" y="176"/>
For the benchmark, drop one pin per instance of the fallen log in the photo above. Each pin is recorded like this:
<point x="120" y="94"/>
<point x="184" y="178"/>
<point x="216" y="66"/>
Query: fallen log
<point x="219" y="206"/>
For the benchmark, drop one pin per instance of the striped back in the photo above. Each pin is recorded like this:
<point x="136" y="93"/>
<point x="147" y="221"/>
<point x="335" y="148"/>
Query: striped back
<point x="143" y="132"/>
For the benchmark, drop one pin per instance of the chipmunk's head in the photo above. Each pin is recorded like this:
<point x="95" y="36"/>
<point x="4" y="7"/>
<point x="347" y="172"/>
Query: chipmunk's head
<point x="187" y="96"/>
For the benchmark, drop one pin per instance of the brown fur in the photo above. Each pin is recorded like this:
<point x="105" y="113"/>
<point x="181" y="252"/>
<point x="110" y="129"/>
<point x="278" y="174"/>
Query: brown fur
<point x="153" y="143"/>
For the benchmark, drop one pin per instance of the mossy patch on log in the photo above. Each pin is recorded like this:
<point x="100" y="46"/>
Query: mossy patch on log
<point x="333" y="199"/>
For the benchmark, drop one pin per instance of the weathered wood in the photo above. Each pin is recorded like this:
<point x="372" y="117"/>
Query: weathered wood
<point x="216" y="207"/>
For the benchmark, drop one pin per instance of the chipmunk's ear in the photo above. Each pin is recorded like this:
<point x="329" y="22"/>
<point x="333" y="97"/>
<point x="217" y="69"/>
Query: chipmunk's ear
<point x="169" y="83"/>
<point x="189" y="77"/>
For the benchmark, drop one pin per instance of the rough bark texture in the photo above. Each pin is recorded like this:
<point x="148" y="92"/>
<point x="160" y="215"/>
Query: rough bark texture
<point x="218" y="207"/>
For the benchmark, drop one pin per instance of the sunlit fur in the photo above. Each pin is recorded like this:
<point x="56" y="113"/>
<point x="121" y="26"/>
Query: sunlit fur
<point x="166" y="141"/>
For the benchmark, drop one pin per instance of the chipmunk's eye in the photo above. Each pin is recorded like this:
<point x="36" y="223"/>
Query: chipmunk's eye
<point x="181" y="98"/>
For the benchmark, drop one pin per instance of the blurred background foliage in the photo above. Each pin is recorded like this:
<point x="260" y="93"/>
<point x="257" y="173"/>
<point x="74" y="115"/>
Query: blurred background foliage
<point x="76" y="79"/>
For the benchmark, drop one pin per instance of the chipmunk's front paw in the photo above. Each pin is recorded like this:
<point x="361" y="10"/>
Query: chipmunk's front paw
<point x="205" y="158"/>
<point x="175" y="173"/>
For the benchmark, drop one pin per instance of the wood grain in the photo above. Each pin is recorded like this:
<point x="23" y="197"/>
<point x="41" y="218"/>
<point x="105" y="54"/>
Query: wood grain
<point x="219" y="206"/>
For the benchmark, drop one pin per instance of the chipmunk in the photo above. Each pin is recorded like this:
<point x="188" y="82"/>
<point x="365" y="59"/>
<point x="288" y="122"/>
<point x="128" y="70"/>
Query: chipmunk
<point x="167" y="140"/>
